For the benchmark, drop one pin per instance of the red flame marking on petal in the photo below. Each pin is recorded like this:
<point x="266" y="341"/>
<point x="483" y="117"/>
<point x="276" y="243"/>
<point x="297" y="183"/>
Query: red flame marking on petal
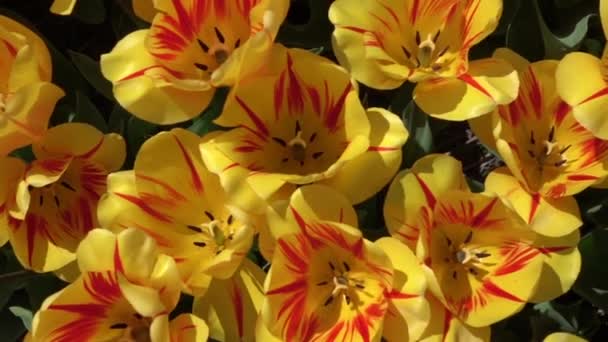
<point x="194" y="176"/>
<point x="333" y="114"/>
<point x="354" y="29"/>
<point x="428" y="194"/>
<point x="174" y="194"/>
<point x="467" y="78"/>
<point x="480" y="220"/>
<point x="517" y="256"/>
<point x="295" y="96"/>
<point x="581" y="177"/>
<point x="257" y="121"/>
<point x="415" y="10"/>
<point x="279" y="89"/>
<point x="600" y="93"/>
<point x="237" y="301"/>
<point x="145" y="207"/>
<point x="534" y="206"/>
<point x="549" y="250"/>
<point x="561" y="111"/>
<point x="496" y="291"/>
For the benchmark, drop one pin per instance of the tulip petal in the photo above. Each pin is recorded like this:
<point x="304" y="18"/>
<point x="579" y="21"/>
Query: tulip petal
<point x="244" y="293"/>
<point x="144" y="9"/>
<point x="411" y="192"/>
<point x="63" y="7"/>
<point x="188" y="328"/>
<point x="11" y="171"/>
<point x="408" y="308"/>
<point x="488" y="83"/>
<point x="547" y="216"/>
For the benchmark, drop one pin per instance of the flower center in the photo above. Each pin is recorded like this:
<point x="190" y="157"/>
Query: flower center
<point x="426" y="56"/>
<point x="135" y="330"/>
<point x="343" y="283"/>
<point x="219" y="51"/>
<point x="547" y="152"/>
<point x="220" y="232"/>
<point x="298" y="147"/>
<point x="464" y="257"/>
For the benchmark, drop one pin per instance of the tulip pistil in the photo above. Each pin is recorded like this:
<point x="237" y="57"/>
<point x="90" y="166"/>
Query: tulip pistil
<point x="547" y="153"/>
<point x="426" y="55"/>
<point x="342" y="284"/>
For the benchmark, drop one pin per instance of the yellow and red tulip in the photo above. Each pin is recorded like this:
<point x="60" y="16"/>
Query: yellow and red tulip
<point x="56" y="196"/>
<point x="169" y="73"/>
<point x="313" y="129"/>
<point x="549" y="154"/>
<point x="27" y="98"/>
<point x="384" y="44"/>
<point x="63" y="7"/>
<point x="582" y="83"/>
<point x="126" y="291"/>
<point x="326" y="281"/>
<point x="172" y="196"/>
<point x="11" y="172"/>
<point x="482" y="260"/>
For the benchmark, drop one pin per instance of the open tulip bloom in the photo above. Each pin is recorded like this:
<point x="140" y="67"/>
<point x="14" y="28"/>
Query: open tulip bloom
<point x="169" y="72"/>
<point x="385" y="43"/>
<point x="54" y="198"/>
<point x="27" y="98"/>
<point x="174" y="198"/>
<point x="311" y="128"/>
<point x="482" y="261"/>
<point x="125" y="292"/>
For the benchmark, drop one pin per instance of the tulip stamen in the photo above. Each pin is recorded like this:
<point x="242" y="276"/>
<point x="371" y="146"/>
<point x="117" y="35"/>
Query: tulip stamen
<point x="426" y="49"/>
<point x="298" y="147"/>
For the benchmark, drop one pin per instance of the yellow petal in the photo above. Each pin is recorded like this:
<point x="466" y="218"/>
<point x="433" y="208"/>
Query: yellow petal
<point x="11" y="171"/>
<point x="482" y="19"/>
<point x="547" y="216"/>
<point x="604" y="16"/>
<point x="518" y="62"/>
<point x="188" y="328"/>
<point x="580" y="82"/>
<point x="563" y="337"/>
<point x="408" y="311"/>
<point x="97" y="251"/>
<point x="487" y="84"/>
<point x="445" y="327"/>
<point x="382" y="159"/>
<point x="140" y="88"/>
<point x="63" y="7"/>
<point x="428" y="180"/>
<point x="144" y="9"/>
<point x="231" y="306"/>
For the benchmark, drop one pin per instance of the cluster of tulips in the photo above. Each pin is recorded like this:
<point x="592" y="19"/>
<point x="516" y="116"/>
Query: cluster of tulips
<point x="296" y="150"/>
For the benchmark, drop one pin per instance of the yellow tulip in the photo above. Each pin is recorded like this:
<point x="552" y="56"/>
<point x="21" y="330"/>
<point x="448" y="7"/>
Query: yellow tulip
<point x="63" y="7"/>
<point x="27" y="98"/>
<point x="174" y="198"/>
<point x="326" y="281"/>
<point x="582" y="83"/>
<point x="126" y="291"/>
<point x="384" y="44"/>
<point x="144" y="9"/>
<point x="169" y="73"/>
<point x="311" y="129"/>
<point x="563" y="337"/>
<point x="55" y="198"/>
<point x="11" y="171"/>
<point x="483" y="262"/>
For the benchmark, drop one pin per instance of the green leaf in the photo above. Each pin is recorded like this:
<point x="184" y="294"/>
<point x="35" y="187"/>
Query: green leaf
<point x="592" y="282"/>
<point x="524" y="34"/>
<point x="44" y="286"/>
<point x="556" y="46"/>
<point x="91" y="71"/>
<point x="138" y="131"/>
<point x="204" y="124"/>
<point x="119" y="117"/>
<point x="12" y="275"/>
<point x="90" y="11"/>
<point x="420" y="142"/>
<point x="24" y="314"/>
<point x="86" y="112"/>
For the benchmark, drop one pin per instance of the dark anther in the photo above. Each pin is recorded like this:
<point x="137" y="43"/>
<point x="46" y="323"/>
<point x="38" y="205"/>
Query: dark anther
<point x="313" y="137"/>
<point x="298" y="128"/>
<point x="56" y="201"/>
<point x="417" y="62"/>
<point x="436" y="36"/>
<point x="279" y="141"/>
<point x="195" y="228"/>
<point x="560" y="163"/>
<point x="328" y="301"/>
<point x="237" y="43"/>
<point x="532" y="141"/>
<point x="316" y="155"/>
<point x="447" y="239"/>
<point x="469" y="237"/>
<point x="209" y="215"/>
<point x="482" y="255"/>
<point x="417" y="38"/>
<point x="473" y="271"/>
<point x="67" y="186"/>
<point x="360" y="286"/>
<point x="333" y="268"/>
<point x="346" y="267"/>
<point x="229" y="219"/>
<point x="301" y="163"/>
<point x="565" y="149"/>
<point x="285" y="160"/>
<point x="531" y="154"/>
<point x="445" y="49"/>
<point x="200" y="244"/>
<point x="347" y="298"/>
<point x="455" y="275"/>
<point x="138" y="316"/>
<point x="203" y="46"/>
<point x="323" y="283"/>
<point x="119" y="326"/>
<point x="551" y="133"/>
<point x="201" y="66"/>
<point x="406" y="52"/>
<point x="41" y="200"/>
<point x="219" y="35"/>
